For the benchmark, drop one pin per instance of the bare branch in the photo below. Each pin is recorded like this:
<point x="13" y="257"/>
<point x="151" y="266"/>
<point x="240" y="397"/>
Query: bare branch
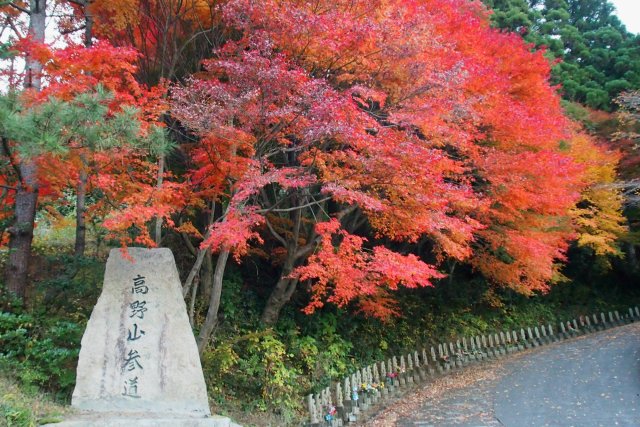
<point x="315" y="202"/>
<point x="14" y="165"/>
<point x="14" y="28"/>
<point x="187" y="241"/>
<point x="20" y="8"/>
<point x="72" y="30"/>
<point x="275" y="233"/>
<point x="306" y="249"/>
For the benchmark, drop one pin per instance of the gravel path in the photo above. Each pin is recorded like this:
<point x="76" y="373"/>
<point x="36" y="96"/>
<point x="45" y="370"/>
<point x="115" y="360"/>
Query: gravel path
<point x="590" y="381"/>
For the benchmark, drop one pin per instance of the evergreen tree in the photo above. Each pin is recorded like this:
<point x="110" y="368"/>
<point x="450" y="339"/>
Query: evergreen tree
<point x="599" y="57"/>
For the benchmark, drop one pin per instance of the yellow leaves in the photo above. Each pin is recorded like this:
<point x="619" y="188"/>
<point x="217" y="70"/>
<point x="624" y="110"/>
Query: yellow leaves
<point x="599" y="220"/>
<point x="598" y="215"/>
<point x="115" y="15"/>
<point x="492" y="299"/>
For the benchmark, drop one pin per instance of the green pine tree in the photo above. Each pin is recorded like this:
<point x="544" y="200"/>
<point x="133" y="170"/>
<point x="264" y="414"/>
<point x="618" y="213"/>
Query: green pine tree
<point x="599" y="58"/>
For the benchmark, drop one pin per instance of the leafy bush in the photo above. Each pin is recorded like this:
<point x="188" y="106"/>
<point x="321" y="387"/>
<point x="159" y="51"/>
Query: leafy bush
<point x="40" y="344"/>
<point x="12" y="415"/>
<point x="40" y="352"/>
<point x="71" y="287"/>
<point x="20" y="409"/>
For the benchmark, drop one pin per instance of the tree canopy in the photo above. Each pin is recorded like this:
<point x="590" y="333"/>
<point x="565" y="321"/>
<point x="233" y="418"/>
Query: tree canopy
<point x="598" y="57"/>
<point x="355" y="146"/>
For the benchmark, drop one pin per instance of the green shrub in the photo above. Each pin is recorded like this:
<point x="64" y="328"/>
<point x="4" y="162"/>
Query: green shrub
<point x="25" y="409"/>
<point x="71" y="288"/>
<point x="16" y="416"/>
<point x="40" y="352"/>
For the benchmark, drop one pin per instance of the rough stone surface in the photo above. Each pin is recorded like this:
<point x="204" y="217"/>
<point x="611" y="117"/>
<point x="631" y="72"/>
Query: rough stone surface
<point x="108" y="419"/>
<point x="138" y="352"/>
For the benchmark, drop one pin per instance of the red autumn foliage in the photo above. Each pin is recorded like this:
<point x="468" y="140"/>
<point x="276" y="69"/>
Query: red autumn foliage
<point x="319" y="123"/>
<point x="350" y="272"/>
<point x="419" y="115"/>
<point x="124" y="175"/>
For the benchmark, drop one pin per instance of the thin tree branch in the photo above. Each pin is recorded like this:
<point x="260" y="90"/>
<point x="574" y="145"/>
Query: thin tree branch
<point x="21" y="9"/>
<point x="275" y="233"/>
<point x="72" y="30"/>
<point x="187" y="241"/>
<point x="14" y="28"/>
<point x="194" y="271"/>
<point x="7" y="150"/>
<point x="306" y="249"/>
<point x="315" y="202"/>
<point x="296" y="229"/>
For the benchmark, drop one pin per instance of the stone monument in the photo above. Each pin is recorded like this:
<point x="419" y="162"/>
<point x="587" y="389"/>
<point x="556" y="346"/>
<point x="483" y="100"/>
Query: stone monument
<point x="139" y="362"/>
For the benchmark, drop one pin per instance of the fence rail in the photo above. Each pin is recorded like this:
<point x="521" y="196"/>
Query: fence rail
<point x="348" y="400"/>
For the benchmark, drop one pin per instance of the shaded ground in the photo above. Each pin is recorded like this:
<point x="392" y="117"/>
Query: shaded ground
<point x="589" y="381"/>
<point x="20" y="408"/>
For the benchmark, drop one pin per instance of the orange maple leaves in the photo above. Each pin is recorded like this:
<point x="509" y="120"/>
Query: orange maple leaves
<point x="415" y="117"/>
<point x="457" y="136"/>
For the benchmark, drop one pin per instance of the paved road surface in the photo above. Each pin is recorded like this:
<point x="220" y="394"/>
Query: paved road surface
<point x="589" y="381"/>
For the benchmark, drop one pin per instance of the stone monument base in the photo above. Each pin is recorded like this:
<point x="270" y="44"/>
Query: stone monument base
<point x="128" y="419"/>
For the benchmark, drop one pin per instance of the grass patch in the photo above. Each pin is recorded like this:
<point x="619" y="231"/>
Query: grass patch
<point x="20" y="408"/>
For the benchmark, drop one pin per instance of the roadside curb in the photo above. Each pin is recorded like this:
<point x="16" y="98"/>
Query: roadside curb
<point x="369" y="390"/>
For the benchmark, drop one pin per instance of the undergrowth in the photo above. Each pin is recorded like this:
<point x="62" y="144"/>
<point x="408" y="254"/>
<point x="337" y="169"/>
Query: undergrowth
<point x="260" y="376"/>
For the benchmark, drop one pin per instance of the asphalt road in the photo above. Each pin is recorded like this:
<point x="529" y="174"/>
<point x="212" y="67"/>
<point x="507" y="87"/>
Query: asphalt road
<point x="592" y="380"/>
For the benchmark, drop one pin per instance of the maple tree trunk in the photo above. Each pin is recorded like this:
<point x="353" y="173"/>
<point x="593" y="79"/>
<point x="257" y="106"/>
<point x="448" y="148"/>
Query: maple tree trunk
<point x="203" y="281"/>
<point x="286" y="286"/>
<point x="202" y="256"/>
<point x="280" y="295"/>
<point x="195" y="270"/>
<point x="214" y="302"/>
<point x="206" y="276"/>
<point x="452" y="269"/>
<point x="21" y="232"/>
<point x="88" y="26"/>
<point x="192" y="303"/>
